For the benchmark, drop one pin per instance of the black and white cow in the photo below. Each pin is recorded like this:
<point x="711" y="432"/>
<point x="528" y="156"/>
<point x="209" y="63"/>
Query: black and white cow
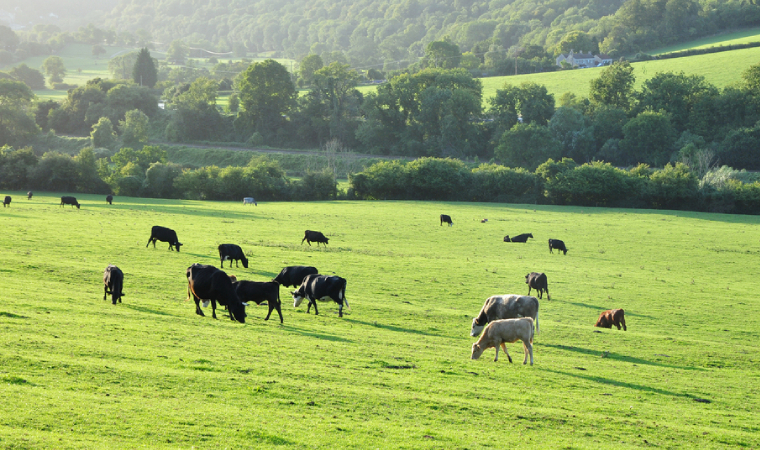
<point x="557" y="244"/>
<point x="113" y="279"/>
<point x="210" y="284"/>
<point x="538" y="281"/>
<point x="322" y="288"/>
<point x="66" y="200"/>
<point x="519" y="238"/>
<point x="294" y="275"/>
<point x="109" y="199"/>
<point x="29" y="195"/>
<point x="260" y="292"/>
<point x="249" y="201"/>
<point x="232" y="252"/>
<point x="7" y="201"/>
<point x="446" y="219"/>
<point x="314" y="236"/>
<point x="164" y="235"/>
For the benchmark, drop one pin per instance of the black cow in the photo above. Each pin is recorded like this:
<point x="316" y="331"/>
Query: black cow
<point x="557" y="244"/>
<point x="519" y="238"/>
<point x="260" y="292"/>
<point x="211" y="284"/>
<point x="66" y="200"/>
<point x="113" y="279"/>
<point x="322" y="288"/>
<point x="109" y="199"/>
<point x="446" y="219"/>
<point x="537" y="281"/>
<point x="314" y="236"/>
<point x="29" y="195"/>
<point x="294" y="275"/>
<point x="7" y="201"/>
<point x="164" y="235"/>
<point x="232" y="252"/>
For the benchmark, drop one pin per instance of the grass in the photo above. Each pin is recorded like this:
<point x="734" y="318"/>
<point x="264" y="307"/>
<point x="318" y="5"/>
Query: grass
<point x="724" y="39"/>
<point x="395" y="371"/>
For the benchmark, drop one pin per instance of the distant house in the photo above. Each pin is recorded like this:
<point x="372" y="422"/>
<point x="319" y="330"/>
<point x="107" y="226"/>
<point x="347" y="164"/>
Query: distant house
<point x="583" y="59"/>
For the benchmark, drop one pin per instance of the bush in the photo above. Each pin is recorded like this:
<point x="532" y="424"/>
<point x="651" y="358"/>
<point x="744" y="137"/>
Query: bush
<point x="316" y="186"/>
<point x="673" y="187"/>
<point x="592" y="184"/>
<point x="495" y="183"/>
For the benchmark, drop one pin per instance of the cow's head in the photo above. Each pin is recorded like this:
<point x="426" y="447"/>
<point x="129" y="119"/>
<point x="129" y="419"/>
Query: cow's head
<point x="298" y="297"/>
<point x="527" y="278"/>
<point x="245" y="262"/>
<point x="177" y="245"/>
<point x="477" y="350"/>
<point x="476" y="328"/>
<point x="77" y="205"/>
<point x="506" y="239"/>
<point x="237" y="312"/>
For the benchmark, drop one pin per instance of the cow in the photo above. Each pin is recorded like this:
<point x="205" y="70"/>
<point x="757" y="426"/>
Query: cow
<point x="507" y="306"/>
<point x="164" y="235"/>
<point x="499" y="332"/>
<point x="537" y="281"/>
<point x="294" y="275"/>
<point x="211" y="284"/>
<point x="232" y="252"/>
<point x="66" y="200"/>
<point x="484" y="221"/>
<point x="557" y="244"/>
<point x="109" y="199"/>
<point x="29" y="195"/>
<point x="314" y="236"/>
<point x="519" y="238"/>
<point x="7" y="201"/>
<point x="113" y="279"/>
<point x="446" y="219"/>
<point x="612" y="317"/>
<point x="322" y="288"/>
<point x="249" y="201"/>
<point x="260" y="292"/>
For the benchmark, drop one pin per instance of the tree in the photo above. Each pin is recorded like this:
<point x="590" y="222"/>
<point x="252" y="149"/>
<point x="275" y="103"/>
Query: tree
<point x="675" y="93"/>
<point x="144" y="72"/>
<point x="102" y="133"/>
<point x="134" y="128"/>
<point x="335" y="88"/>
<point x="569" y="127"/>
<point x="53" y="67"/>
<point x="527" y="146"/>
<point x="444" y="54"/>
<point x="31" y="77"/>
<point x="309" y="66"/>
<point x="98" y="51"/>
<point x="577" y="41"/>
<point x="614" y="87"/>
<point x="648" y="138"/>
<point x="177" y="52"/>
<point x="120" y="66"/>
<point x="16" y="120"/>
<point x="266" y="94"/>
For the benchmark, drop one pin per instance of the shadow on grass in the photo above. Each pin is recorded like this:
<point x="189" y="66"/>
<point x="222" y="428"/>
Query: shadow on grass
<point x="12" y="316"/>
<point x="146" y="310"/>
<point x="326" y="337"/>
<point x="623" y="384"/>
<point x="618" y="357"/>
<point x="604" y="308"/>
<point x="391" y="327"/>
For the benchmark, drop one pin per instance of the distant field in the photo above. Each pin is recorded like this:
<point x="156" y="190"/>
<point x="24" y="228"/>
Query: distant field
<point x="733" y="38"/>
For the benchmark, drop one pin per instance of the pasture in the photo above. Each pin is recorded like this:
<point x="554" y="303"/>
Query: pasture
<point x="395" y="371"/>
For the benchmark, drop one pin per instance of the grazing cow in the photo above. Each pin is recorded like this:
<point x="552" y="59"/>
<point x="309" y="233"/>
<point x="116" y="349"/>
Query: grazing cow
<point x="66" y="200"/>
<point x="446" y="219"/>
<point x="314" y="236"/>
<point x="294" y="275"/>
<point x="232" y="252"/>
<point x="519" y="238"/>
<point x="484" y="221"/>
<point x="249" y="201"/>
<point x="557" y="244"/>
<point x="322" y="288"/>
<point x="7" y="201"/>
<point x="164" y="235"/>
<point x="29" y="195"/>
<point x="109" y="199"/>
<point x="211" y="284"/>
<point x="537" y="281"/>
<point x="499" y="332"/>
<point x="505" y="307"/>
<point x="113" y="279"/>
<point x="260" y="292"/>
<point x="612" y="317"/>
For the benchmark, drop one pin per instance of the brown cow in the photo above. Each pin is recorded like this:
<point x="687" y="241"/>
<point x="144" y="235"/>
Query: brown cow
<point x="612" y="317"/>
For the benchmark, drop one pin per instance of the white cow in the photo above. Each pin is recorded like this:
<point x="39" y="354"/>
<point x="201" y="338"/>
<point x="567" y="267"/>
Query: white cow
<point x="501" y="331"/>
<point x="249" y="201"/>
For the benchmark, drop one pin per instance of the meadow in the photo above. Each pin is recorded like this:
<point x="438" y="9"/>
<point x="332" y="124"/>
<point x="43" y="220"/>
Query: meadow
<point x="395" y="371"/>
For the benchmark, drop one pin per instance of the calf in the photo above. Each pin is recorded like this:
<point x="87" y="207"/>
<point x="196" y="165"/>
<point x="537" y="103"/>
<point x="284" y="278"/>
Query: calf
<point x="537" y="281"/>
<point x="109" y="199"/>
<point x="505" y="307"/>
<point x="322" y="288"/>
<point x="294" y="275"/>
<point x="211" y="284"/>
<point x="113" y="279"/>
<point x="260" y="292"/>
<point x="499" y="332"/>
<point x="232" y="252"/>
<point x="249" y="201"/>
<point x="446" y="219"/>
<point x="519" y="238"/>
<point x="314" y="236"/>
<point x="7" y="201"/>
<point x="557" y="244"/>
<point x="29" y="195"/>
<point x="164" y="235"/>
<point x="66" y="200"/>
<point x="611" y="317"/>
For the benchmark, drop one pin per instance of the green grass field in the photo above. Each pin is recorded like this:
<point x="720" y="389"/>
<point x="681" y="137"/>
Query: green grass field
<point x="394" y="372"/>
<point x="724" y="39"/>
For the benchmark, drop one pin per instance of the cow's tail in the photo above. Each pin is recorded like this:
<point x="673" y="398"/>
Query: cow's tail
<point x="116" y="290"/>
<point x="345" y="300"/>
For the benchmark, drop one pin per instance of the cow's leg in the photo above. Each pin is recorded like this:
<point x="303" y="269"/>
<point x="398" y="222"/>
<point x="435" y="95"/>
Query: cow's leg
<point x="278" y="306"/>
<point x="528" y="348"/>
<point x="616" y="323"/>
<point x="528" y="289"/>
<point x="340" y="309"/>
<point x="622" y="320"/>
<point x="504" y="347"/>
<point x="198" y="306"/>
<point x="548" y="297"/>
<point x="213" y="308"/>
<point x="149" y="239"/>
<point x="105" y="290"/>
<point x="314" y="302"/>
